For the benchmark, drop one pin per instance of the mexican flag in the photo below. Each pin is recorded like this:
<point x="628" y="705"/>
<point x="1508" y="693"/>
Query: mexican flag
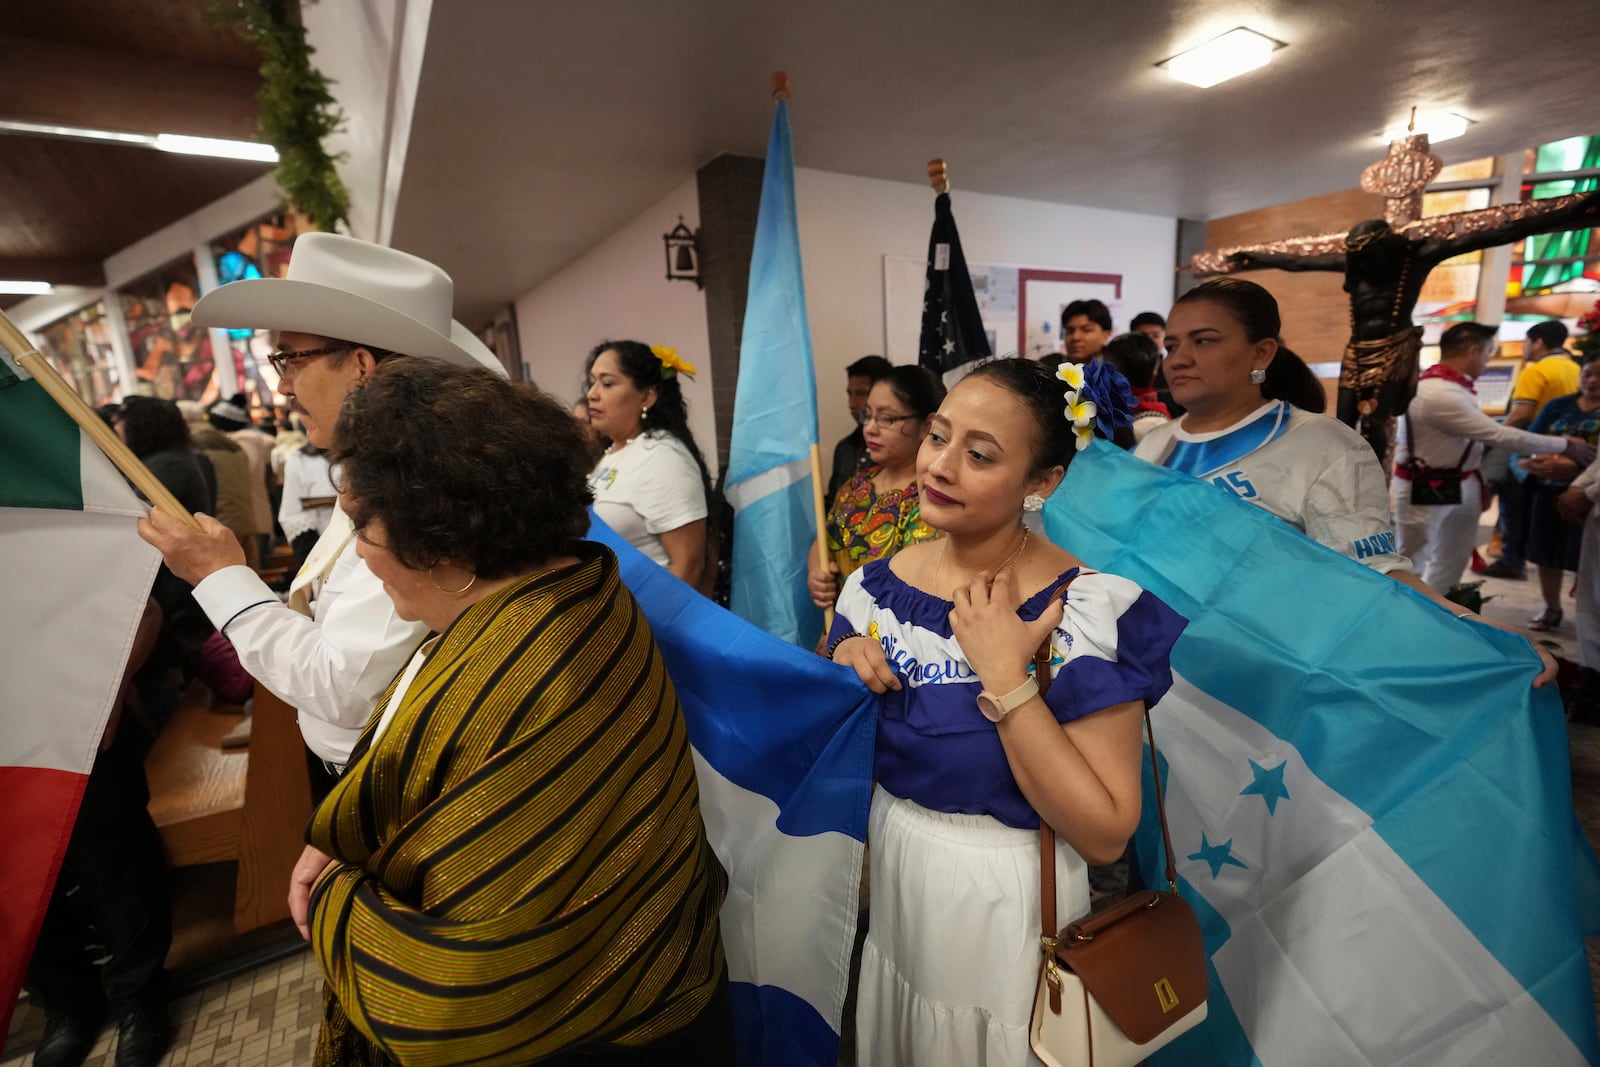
<point x="75" y="583"/>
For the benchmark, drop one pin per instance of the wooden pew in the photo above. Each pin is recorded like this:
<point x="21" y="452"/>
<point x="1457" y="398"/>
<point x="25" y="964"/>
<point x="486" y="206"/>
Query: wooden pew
<point x="248" y="804"/>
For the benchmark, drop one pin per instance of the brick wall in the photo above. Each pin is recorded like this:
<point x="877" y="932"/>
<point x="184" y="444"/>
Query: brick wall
<point x="1316" y="313"/>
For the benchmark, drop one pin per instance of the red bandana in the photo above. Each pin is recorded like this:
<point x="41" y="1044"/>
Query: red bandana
<point x="1450" y="374"/>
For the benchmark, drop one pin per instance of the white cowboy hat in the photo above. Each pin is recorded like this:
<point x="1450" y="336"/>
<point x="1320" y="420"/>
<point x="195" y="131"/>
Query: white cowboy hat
<point x="353" y="290"/>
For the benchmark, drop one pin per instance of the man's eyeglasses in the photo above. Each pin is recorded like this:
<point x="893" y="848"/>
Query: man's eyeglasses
<point x="282" y="361"/>
<point x="888" y="422"/>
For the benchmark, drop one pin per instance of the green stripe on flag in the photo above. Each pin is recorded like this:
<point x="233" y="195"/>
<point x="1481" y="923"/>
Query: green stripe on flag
<point x="39" y="448"/>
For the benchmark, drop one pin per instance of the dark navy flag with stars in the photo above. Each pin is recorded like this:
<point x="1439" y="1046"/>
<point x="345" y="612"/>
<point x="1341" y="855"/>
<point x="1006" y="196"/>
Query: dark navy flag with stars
<point x="952" y="329"/>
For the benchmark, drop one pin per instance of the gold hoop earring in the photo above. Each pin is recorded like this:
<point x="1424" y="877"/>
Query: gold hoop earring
<point x="451" y="592"/>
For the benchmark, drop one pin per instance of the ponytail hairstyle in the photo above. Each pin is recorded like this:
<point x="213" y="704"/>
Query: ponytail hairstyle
<point x="669" y="413"/>
<point x="1255" y="309"/>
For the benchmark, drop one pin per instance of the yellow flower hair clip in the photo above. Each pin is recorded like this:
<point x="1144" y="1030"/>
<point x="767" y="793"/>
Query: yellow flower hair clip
<point x="1072" y="374"/>
<point x="671" y="364"/>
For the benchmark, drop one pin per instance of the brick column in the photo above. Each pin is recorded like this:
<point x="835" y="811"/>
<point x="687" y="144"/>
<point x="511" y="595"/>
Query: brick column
<point x="730" y="198"/>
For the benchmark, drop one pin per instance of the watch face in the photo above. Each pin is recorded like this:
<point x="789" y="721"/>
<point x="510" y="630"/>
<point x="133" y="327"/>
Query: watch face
<point x="991" y="708"/>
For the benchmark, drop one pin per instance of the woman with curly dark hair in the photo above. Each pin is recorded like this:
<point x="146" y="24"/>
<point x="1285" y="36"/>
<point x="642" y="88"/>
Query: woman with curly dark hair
<point x="513" y="866"/>
<point x="651" y="485"/>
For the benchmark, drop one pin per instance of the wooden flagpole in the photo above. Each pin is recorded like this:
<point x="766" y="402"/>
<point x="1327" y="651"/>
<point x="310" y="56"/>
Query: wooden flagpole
<point x="29" y="359"/>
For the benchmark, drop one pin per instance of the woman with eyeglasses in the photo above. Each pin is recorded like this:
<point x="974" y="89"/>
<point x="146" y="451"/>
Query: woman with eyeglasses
<point x="876" y="513"/>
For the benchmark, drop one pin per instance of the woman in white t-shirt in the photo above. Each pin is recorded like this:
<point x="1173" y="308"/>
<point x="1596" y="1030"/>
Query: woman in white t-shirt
<point x="651" y="484"/>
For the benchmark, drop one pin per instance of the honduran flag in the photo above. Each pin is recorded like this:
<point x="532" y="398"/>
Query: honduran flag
<point x="1371" y="808"/>
<point x="76" y="579"/>
<point x="782" y="743"/>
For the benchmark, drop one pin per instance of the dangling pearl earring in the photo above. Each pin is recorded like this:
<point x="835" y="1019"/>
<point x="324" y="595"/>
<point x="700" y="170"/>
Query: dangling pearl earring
<point x="1257" y="376"/>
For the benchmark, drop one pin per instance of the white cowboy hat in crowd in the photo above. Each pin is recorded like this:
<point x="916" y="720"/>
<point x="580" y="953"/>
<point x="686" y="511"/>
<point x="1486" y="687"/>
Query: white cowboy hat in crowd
<point x="353" y="290"/>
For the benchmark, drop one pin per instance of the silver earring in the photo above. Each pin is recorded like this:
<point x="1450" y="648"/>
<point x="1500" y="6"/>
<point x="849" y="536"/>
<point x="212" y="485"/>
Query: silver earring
<point x="1257" y="376"/>
<point x="1033" y="502"/>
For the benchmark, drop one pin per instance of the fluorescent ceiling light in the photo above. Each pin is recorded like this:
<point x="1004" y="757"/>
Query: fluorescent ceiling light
<point x="1438" y="125"/>
<point x="24" y="288"/>
<point x="167" y="142"/>
<point x="1234" y="53"/>
<point x="217" y="148"/>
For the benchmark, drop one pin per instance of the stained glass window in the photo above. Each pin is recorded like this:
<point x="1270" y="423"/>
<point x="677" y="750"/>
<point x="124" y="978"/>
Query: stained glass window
<point x="1557" y="265"/>
<point x="79" y="345"/>
<point x="171" y="356"/>
<point x="260" y="250"/>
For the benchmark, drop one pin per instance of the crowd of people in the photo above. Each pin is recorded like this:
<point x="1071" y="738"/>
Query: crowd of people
<point x="507" y="859"/>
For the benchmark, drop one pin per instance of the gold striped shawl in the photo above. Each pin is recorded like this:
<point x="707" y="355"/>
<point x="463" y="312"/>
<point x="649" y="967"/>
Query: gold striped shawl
<point x="521" y="863"/>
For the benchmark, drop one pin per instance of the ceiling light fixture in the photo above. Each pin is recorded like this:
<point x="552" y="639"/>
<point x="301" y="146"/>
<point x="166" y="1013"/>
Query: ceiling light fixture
<point x="213" y="147"/>
<point x="14" y="288"/>
<point x="1236" y="52"/>
<point x="1438" y="125"/>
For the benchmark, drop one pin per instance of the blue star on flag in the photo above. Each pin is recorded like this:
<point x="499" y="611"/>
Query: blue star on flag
<point x="1268" y="785"/>
<point x="1217" y="856"/>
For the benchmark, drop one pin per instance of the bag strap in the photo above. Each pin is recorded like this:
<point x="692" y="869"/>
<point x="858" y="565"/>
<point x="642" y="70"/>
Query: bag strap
<point x="1412" y="462"/>
<point x="1047" y="837"/>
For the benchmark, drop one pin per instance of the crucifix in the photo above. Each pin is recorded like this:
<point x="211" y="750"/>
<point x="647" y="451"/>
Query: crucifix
<point x="1384" y="262"/>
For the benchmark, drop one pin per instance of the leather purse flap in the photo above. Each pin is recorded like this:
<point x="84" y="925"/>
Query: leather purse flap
<point x="1144" y="961"/>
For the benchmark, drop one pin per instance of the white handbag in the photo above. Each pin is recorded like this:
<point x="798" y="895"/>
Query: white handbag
<point x="1116" y="986"/>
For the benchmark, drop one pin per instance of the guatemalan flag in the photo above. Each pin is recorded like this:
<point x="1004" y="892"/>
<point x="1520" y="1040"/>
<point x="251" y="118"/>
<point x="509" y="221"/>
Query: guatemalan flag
<point x="782" y="743"/>
<point x="76" y="579"/>
<point x="1371" y="809"/>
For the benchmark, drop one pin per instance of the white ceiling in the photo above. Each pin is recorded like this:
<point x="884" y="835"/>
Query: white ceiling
<point x="541" y="127"/>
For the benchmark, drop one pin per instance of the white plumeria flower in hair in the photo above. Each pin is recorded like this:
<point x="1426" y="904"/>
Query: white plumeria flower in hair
<point x="1085" y="435"/>
<point x="1081" y="412"/>
<point x="1072" y="374"/>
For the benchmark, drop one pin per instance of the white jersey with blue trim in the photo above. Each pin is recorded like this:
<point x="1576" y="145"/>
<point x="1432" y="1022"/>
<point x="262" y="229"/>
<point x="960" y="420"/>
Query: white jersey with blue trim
<point x="1310" y="470"/>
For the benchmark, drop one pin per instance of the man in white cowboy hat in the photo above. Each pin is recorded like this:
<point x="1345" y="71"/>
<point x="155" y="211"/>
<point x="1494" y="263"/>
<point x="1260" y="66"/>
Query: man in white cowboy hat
<point x="334" y="649"/>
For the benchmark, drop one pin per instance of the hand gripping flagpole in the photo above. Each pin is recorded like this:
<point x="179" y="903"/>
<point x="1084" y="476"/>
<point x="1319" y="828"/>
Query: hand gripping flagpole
<point x="939" y="175"/>
<point x="29" y="359"/>
<point x="780" y="91"/>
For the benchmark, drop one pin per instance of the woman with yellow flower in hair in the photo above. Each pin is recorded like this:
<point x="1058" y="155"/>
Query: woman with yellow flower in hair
<point x="876" y="513"/>
<point x="651" y="484"/>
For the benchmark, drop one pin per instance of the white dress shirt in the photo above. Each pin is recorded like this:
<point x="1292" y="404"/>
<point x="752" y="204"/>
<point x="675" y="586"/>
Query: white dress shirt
<point x="332" y="667"/>
<point x="1445" y="417"/>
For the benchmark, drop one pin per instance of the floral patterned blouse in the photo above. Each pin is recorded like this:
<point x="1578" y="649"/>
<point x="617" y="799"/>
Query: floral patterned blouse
<point x="864" y="525"/>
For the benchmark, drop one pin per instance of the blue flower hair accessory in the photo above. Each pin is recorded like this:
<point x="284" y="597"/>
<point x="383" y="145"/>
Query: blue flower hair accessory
<point x="1098" y="398"/>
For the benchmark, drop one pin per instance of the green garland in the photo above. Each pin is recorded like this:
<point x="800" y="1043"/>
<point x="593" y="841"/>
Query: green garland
<point x="297" y="108"/>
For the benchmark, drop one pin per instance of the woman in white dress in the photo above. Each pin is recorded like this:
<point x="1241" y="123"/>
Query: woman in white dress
<point x="969" y="755"/>
<point x="650" y="485"/>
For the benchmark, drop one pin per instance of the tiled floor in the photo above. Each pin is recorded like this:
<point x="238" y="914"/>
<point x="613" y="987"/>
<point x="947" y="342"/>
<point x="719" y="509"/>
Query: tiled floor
<point x="268" y="1016"/>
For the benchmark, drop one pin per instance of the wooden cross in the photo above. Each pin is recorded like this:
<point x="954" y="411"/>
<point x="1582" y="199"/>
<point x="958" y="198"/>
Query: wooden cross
<point x="1385" y="261"/>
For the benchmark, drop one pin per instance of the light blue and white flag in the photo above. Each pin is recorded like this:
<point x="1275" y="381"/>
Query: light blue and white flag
<point x="1371" y="809"/>
<point x="782" y="743"/>
<point x="769" y="479"/>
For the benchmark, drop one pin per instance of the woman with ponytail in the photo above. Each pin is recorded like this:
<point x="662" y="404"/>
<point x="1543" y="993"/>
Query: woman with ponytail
<point x="1246" y="430"/>
<point x="650" y="485"/>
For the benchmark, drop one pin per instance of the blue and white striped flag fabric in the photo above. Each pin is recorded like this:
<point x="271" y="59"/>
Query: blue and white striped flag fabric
<point x="775" y="419"/>
<point x="782" y="742"/>
<point x="1371" y="809"/>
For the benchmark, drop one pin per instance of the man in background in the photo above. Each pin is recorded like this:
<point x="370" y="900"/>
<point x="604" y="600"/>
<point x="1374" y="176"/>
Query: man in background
<point x="1151" y="325"/>
<point x="1085" y="329"/>
<point x="848" y="454"/>
<point x="1550" y="371"/>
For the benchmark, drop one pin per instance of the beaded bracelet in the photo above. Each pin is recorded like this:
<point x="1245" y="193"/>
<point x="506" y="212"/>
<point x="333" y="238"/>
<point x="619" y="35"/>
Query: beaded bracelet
<point x="837" y="641"/>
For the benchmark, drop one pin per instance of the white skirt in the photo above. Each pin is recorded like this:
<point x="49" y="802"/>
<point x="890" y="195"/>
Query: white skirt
<point x="952" y="953"/>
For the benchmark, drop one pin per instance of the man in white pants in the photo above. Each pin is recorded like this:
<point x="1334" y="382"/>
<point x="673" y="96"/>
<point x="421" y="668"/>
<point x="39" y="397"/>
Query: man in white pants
<point x="333" y="650"/>
<point x="1444" y="430"/>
